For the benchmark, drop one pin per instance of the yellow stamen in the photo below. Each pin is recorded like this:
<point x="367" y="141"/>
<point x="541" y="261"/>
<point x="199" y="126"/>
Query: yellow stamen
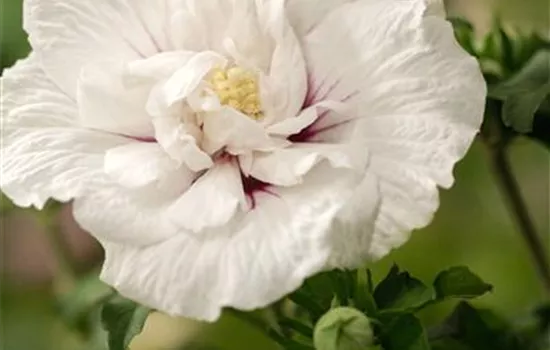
<point x="238" y="88"/>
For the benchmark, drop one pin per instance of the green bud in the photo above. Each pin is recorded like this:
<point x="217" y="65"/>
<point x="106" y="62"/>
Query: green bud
<point x="343" y="328"/>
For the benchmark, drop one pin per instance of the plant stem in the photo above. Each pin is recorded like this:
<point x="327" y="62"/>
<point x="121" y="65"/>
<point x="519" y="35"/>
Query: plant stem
<point x="497" y="139"/>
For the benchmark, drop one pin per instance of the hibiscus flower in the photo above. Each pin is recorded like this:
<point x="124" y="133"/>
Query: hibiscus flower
<point x="222" y="151"/>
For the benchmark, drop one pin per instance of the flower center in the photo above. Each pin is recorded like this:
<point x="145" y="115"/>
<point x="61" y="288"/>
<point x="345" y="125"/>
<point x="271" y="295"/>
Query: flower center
<point x="238" y="88"/>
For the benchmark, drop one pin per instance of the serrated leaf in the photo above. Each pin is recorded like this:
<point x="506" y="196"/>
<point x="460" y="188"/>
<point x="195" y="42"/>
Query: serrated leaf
<point x="123" y="319"/>
<point x="460" y="282"/>
<point x="400" y="291"/>
<point x="405" y="333"/>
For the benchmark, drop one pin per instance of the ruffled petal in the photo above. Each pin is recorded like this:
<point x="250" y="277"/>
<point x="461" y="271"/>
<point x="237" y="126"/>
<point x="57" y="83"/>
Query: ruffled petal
<point x="287" y="166"/>
<point x="212" y="200"/>
<point x="251" y="262"/>
<point x="236" y="132"/>
<point x="180" y="139"/>
<point x="69" y="34"/>
<point x="45" y="154"/>
<point x="417" y="100"/>
<point x="182" y="83"/>
<point x="136" y="217"/>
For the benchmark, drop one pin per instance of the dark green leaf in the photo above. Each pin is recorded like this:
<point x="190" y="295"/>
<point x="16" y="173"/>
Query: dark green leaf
<point x="460" y="282"/>
<point x="525" y="92"/>
<point x="123" y="319"/>
<point x="481" y="329"/>
<point x="405" y="333"/>
<point x="519" y="110"/>
<point x="449" y="344"/>
<point x="400" y="291"/>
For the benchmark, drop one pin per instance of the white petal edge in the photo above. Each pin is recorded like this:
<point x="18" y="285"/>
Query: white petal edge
<point x="44" y="153"/>
<point x="253" y="261"/>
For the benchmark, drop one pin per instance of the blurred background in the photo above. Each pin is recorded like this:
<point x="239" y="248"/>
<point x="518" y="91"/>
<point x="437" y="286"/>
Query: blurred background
<point x="472" y="227"/>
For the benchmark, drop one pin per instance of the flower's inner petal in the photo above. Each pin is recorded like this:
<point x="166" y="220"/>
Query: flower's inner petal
<point x="236" y="133"/>
<point x="181" y="138"/>
<point x="106" y="102"/>
<point x="212" y="200"/>
<point x="138" y="164"/>
<point x="287" y="167"/>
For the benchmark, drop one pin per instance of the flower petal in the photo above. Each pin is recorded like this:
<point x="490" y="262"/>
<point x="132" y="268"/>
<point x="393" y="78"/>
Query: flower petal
<point x="251" y="262"/>
<point x="138" y="164"/>
<point x="212" y="200"/>
<point x="287" y="166"/>
<point x="45" y="154"/>
<point x="417" y="97"/>
<point x="69" y="34"/>
<point x="182" y="83"/>
<point x="107" y="103"/>
<point x="355" y="226"/>
<point x="180" y="140"/>
<point x="305" y="15"/>
<point x="236" y="132"/>
<point x="136" y="217"/>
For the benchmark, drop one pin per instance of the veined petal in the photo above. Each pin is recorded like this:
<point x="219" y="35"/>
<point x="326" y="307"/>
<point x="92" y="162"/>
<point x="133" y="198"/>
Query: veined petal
<point x="45" y="154"/>
<point x="212" y="200"/>
<point x="305" y="15"/>
<point x="107" y="103"/>
<point x="418" y="100"/>
<point x="136" y="217"/>
<point x="138" y="164"/>
<point x="248" y="263"/>
<point x="70" y="34"/>
<point x="355" y="226"/>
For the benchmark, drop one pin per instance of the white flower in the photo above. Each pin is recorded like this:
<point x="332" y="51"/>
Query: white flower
<point x="224" y="150"/>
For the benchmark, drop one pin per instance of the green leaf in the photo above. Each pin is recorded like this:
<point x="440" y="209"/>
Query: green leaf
<point x="449" y="344"/>
<point x="524" y="92"/>
<point x="460" y="282"/>
<point x="464" y="33"/>
<point x="77" y="307"/>
<point x="482" y="329"/>
<point x="519" y="110"/>
<point x="400" y="291"/>
<point x="405" y="332"/>
<point x="123" y="319"/>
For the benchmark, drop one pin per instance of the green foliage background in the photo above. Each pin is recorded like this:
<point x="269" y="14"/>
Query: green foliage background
<point x="473" y="228"/>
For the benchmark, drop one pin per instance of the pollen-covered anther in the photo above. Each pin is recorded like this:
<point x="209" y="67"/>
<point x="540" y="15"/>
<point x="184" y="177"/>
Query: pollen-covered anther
<point x="238" y="88"/>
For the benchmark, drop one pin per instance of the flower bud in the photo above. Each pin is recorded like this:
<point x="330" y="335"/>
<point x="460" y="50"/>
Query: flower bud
<point x="343" y="328"/>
